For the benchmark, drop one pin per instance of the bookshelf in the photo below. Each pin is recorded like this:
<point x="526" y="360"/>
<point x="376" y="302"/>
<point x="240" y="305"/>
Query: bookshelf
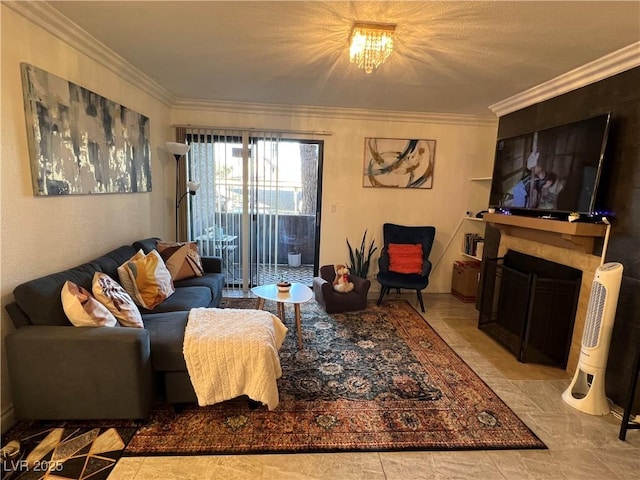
<point x="472" y="227"/>
<point x="473" y="240"/>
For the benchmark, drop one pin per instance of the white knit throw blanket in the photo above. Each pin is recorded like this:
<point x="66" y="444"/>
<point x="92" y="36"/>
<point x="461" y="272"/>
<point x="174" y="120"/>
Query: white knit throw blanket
<point x="233" y="352"/>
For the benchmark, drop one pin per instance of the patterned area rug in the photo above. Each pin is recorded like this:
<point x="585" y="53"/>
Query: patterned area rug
<point x="376" y="380"/>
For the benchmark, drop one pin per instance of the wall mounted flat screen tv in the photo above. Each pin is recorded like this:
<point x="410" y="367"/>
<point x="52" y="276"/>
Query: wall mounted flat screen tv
<point x="552" y="170"/>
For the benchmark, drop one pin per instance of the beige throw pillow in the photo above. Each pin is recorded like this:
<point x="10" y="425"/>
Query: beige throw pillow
<point x="152" y="283"/>
<point x="111" y="294"/>
<point x="181" y="258"/>
<point x="82" y="309"/>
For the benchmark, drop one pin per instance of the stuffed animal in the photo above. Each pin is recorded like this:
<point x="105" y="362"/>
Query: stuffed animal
<point x="341" y="283"/>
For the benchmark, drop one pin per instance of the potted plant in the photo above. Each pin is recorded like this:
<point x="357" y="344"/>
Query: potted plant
<point x="361" y="257"/>
<point x="295" y="257"/>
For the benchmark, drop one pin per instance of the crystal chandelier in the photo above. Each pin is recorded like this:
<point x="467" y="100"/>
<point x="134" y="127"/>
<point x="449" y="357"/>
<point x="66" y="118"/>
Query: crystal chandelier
<point x="370" y="44"/>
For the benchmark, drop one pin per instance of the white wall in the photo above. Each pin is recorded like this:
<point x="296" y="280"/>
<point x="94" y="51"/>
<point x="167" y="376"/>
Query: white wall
<point x="42" y="235"/>
<point x="464" y="149"/>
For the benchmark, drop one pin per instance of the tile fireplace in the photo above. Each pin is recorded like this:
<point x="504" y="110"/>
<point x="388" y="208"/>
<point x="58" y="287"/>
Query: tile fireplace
<point x="529" y="304"/>
<point x="561" y="242"/>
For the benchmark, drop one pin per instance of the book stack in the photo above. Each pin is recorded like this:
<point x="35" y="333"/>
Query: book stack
<point x="473" y="245"/>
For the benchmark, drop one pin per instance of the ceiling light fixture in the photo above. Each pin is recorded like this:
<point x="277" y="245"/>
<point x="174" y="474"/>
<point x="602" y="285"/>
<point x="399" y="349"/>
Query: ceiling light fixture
<point x="370" y="44"/>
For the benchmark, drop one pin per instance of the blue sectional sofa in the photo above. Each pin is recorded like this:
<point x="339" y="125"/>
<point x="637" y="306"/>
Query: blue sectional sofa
<point x="59" y="371"/>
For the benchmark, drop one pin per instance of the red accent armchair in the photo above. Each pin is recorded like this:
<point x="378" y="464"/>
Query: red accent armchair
<point x="335" y="302"/>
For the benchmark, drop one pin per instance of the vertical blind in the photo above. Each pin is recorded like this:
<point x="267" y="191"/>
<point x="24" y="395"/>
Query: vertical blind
<point x="234" y="214"/>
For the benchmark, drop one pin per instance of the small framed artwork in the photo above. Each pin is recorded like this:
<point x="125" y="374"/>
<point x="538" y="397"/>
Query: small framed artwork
<point x="398" y="163"/>
<point x="81" y="142"/>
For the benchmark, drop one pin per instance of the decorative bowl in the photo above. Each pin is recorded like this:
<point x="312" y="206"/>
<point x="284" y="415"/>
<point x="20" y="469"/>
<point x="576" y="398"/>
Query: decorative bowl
<point x="283" y="286"/>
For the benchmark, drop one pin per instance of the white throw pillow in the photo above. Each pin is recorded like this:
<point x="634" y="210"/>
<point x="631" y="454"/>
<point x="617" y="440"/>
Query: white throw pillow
<point x="82" y="309"/>
<point x="111" y="294"/>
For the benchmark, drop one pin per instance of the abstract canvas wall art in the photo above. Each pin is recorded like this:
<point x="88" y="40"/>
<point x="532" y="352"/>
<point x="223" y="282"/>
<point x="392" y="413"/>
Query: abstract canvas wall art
<point x="81" y="142"/>
<point x="398" y="163"/>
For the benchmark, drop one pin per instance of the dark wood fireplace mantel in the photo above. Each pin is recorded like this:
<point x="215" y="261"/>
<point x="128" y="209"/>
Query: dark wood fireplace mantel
<point x="572" y="235"/>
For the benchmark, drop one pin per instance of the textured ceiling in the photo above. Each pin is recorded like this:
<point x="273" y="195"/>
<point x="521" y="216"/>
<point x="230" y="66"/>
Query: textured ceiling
<point x="449" y="57"/>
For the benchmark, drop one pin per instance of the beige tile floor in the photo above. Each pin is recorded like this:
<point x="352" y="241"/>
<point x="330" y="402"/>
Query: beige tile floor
<point x="580" y="446"/>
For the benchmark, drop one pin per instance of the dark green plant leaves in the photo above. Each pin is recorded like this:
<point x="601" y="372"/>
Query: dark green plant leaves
<point x="360" y="258"/>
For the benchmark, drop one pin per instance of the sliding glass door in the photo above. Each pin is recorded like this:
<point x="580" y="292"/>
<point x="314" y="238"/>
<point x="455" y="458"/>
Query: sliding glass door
<point x="258" y="206"/>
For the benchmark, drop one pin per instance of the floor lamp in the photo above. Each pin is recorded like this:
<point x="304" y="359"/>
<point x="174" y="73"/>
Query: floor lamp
<point x="178" y="150"/>
<point x="192" y="188"/>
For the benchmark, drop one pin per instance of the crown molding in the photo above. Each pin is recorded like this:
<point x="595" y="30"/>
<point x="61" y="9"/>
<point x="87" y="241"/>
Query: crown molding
<point x="619" y="61"/>
<point x="253" y="109"/>
<point x="52" y="21"/>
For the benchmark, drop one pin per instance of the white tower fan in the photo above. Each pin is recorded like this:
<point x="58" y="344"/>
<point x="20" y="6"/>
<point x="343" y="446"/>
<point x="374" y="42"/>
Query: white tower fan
<point x="587" y="389"/>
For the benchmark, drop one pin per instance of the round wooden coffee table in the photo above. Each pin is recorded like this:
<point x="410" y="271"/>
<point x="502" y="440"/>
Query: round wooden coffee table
<point x="297" y="294"/>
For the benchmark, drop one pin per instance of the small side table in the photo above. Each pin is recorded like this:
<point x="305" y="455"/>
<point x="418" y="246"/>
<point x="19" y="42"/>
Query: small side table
<point x="297" y="294"/>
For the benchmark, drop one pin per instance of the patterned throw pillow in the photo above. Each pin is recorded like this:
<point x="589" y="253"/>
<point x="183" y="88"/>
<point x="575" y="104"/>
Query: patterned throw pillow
<point x="82" y="309"/>
<point x="123" y="274"/>
<point x="111" y="294"/>
<point x="182" y="259"/>
<point x="151" y="280"/>
<point x="405" y="258"/>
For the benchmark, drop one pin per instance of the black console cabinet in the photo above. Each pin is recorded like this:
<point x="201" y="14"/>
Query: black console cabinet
<point x="529" y="305"/>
